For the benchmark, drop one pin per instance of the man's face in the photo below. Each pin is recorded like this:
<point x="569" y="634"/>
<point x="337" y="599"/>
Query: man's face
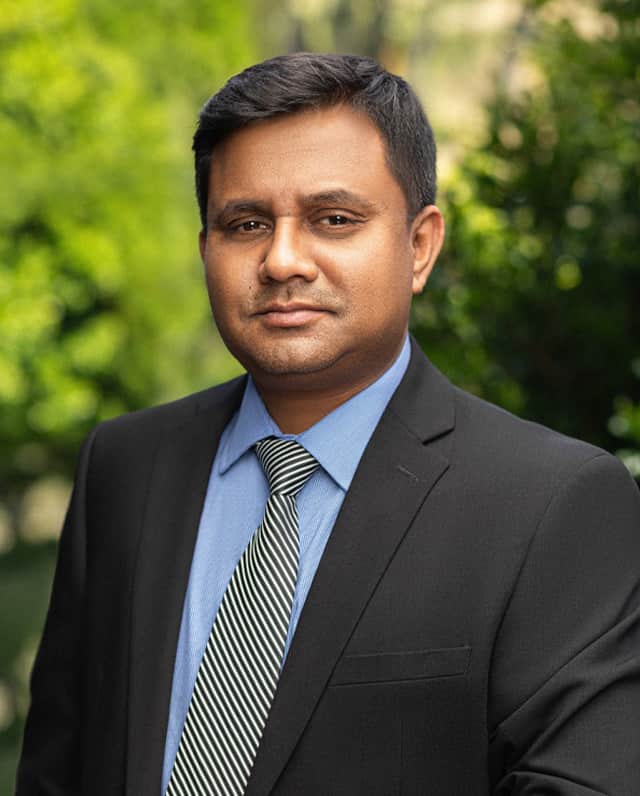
<point x="310" y="260"/>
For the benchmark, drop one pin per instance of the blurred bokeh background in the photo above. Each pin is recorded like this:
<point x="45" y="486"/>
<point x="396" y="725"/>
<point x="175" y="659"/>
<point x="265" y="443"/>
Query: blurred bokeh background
<point x="535" y="303"/>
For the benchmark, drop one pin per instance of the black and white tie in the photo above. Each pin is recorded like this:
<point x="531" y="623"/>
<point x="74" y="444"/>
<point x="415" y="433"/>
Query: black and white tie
<point x="241" y="664"/>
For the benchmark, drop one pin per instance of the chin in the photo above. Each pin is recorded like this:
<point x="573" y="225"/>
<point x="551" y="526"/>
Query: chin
<point x="285" y="363"/>
<point x="286" y="357"/>
<point x="287" y="366"/>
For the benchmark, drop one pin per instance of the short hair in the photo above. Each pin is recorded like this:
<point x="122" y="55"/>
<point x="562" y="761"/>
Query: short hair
<point x="305" y="81"/>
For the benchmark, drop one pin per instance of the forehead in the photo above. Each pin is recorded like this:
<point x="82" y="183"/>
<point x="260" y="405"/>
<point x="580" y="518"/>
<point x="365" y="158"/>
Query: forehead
<point x="303" y="153"/>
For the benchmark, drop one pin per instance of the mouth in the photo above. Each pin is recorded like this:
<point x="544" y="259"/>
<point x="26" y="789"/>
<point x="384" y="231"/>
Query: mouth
<point x="290" y="315"/>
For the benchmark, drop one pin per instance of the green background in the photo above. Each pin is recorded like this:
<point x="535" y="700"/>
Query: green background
<point x="535" y="303"/>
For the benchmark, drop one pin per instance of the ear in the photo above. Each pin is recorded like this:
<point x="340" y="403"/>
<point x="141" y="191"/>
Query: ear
<point x="427" y="237"/>
<point x="202" y="243"/>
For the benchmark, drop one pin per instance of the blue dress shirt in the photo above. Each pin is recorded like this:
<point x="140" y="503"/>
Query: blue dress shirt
<point x="234" y="506"/>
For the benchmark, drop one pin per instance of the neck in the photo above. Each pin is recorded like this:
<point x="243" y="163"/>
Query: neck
<point x="297" y="410"/>
<point x="297" y="401"/>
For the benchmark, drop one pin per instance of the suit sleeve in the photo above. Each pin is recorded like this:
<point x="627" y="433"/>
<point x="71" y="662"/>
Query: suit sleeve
<point x="565" y="680"/>
<point x="50" y="764"/>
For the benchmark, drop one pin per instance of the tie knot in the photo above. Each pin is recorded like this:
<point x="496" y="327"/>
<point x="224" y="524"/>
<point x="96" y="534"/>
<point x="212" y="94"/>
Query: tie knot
<point x="287" y="465"/>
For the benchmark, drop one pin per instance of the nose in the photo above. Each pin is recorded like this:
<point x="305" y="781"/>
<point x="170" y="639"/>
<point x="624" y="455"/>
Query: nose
<point x="287" y="256"/>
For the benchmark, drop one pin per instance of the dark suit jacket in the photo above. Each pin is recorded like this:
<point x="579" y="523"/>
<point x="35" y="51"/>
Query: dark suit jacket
<point x="473" y="626"/>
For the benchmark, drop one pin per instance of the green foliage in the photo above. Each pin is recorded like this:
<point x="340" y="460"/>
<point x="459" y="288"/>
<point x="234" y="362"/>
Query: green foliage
<point x="102" y="306"/>
<point x="535" y="304"/>
<point x="100" y="285"/>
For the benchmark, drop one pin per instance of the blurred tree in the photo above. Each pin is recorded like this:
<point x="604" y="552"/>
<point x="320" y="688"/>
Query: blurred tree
<point x="102" y="307"/>
<point x="535" y="304"/>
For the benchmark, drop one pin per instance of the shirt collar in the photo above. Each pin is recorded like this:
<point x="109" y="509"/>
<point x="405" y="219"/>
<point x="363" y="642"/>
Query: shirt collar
<point x="337" y="441"/>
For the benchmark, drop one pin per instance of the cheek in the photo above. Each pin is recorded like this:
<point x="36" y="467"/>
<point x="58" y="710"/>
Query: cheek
<point x="227" y="286"/>
<point x="371" y="263"/>
<point x="385" y="276"/>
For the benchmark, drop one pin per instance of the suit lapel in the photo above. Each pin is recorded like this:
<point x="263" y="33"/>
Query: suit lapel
<point x="395" y="475"/>
<point x="176" y="495"/>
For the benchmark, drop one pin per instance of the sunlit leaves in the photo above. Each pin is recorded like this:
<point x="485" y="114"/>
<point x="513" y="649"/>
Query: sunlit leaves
<point x="544" y="233"/>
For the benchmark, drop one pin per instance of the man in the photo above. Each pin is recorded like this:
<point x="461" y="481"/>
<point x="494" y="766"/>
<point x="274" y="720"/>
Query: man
<point x="446" y="602"/>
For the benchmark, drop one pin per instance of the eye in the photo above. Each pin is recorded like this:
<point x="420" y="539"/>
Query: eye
<point x="336" y="220"/>
<point x="252" y="225"/>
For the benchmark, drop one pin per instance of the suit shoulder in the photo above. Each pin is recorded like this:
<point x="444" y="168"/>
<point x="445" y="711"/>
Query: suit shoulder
<point x="508" y="446"/>
<point x="147" y="424"/>
<point x="518" y="477"/>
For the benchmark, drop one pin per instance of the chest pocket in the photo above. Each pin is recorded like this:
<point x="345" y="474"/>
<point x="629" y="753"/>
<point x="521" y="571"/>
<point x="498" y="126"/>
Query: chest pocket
<point x="390" y="667"/>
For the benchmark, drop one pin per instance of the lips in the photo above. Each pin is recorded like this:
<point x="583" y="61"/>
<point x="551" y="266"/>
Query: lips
<point x="290" y="315"/>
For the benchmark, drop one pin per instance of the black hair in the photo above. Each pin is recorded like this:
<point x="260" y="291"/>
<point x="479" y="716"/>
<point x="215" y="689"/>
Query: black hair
<point x="304" y="81"/>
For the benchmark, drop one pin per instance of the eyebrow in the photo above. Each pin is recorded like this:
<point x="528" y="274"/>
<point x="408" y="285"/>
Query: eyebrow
<point x="338" y="197"/>
<point x="217" y="215"/>
<point x="334" y="198"/>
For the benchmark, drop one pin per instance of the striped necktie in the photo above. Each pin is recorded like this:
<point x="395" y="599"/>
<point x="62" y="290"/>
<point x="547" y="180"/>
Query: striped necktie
<point x="241" y="664"/>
